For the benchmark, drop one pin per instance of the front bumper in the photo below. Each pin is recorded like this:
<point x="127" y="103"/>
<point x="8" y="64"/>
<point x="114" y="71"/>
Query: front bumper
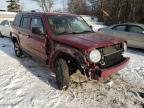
<point x="108" y="71"/>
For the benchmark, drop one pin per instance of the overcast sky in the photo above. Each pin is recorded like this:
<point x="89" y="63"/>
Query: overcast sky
<point x="31" y="5"/>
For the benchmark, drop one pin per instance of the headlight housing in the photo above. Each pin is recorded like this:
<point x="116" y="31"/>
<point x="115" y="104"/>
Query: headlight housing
<point x="125" y="46"/>
<point x="94" y="56"/>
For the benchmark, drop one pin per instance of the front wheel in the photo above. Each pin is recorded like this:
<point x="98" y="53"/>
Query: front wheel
<point x="17" y="49"/>
<point x="62" y="74"/>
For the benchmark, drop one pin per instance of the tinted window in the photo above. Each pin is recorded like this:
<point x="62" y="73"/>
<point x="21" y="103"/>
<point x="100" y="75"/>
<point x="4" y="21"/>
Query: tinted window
<point x="25" y="22"/>
<point x="135" y="29"/>
<point x="17" y="20"/>
<point x="119" y="28"/>
<point x="37" y="25"/>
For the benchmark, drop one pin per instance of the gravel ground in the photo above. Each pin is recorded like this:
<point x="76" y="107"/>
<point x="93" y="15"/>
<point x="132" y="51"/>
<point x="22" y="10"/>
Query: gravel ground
<point x="26" y="83"/>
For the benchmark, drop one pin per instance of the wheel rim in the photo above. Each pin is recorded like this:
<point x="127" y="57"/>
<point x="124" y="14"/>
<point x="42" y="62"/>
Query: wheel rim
<point x="17" y="49"/>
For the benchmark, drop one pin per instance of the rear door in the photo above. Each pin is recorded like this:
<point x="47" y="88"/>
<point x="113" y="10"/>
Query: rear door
<point x="24" y="32"/>
<point x="38" y="37"/>
<point x="136" y="36"/>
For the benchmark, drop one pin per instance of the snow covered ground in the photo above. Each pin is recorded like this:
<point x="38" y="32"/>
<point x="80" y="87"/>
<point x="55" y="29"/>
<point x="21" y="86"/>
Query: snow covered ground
<point x="26" y="83"/>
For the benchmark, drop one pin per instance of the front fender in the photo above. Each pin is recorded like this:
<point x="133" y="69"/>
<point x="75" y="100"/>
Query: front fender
<point x="62" y="49"/>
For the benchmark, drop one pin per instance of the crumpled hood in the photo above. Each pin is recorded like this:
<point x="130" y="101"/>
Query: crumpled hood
<point x="87" y="41"/>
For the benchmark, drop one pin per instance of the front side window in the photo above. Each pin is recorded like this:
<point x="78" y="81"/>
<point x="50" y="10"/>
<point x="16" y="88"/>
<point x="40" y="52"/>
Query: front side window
<point x="119" y="28"/>
<point x="37" y="25"/>
<point x="135" y="29"/>
<point x="68" y="25"/>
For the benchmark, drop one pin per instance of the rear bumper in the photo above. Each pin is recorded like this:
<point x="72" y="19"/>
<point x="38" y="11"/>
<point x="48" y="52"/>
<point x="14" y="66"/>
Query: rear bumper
<point x="108" y="71"/>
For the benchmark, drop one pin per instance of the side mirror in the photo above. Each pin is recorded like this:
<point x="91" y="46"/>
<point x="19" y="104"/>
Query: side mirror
<point x="37" y="30"/>
<point x="142" y="32"/>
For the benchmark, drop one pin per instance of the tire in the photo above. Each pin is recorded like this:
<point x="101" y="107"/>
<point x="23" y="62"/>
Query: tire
<point x="62" y="74"/>
<point x="11" y="35"/>
<point x="1" y="35"/>
<point x="17" y="49"/>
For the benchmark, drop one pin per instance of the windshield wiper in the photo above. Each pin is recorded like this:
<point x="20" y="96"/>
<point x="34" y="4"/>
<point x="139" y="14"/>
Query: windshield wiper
<point x="64" y="33"/>
<point x="87" y="31"/>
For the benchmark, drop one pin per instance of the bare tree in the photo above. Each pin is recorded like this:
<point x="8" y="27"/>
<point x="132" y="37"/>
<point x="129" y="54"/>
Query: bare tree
<point x="77" y="6"/>
<point x="46" y="5"/>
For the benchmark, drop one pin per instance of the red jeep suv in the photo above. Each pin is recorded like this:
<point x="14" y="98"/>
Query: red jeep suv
<point x="66" y="43"/>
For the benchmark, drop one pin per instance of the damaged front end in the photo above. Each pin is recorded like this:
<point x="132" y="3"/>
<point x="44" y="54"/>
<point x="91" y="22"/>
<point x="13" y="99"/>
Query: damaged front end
<point x="104" y="61"/>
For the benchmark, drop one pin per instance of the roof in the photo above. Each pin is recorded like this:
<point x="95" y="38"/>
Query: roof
<point x="55" y="13"/>
<point x="138" y="24"/>
<point x="129" y="23"/>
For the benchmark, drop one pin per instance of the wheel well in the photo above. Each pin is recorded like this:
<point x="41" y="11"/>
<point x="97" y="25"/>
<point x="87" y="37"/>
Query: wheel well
<point x="71" y="62"/>
<point x="10" y="33"/>
<point x="14" y="39"/>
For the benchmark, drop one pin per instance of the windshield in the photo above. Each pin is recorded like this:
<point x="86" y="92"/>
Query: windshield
<point x="68" y="25"/>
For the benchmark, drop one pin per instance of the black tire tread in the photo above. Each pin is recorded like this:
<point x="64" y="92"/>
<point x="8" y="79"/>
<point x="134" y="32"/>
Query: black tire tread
<point x="65" y="74"/>
<point x="19" y="49"/>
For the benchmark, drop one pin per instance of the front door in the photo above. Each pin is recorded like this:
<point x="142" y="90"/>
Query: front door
<point x="38" y="37"/>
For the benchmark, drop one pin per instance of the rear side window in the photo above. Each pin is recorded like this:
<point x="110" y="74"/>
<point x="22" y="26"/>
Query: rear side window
<point x="135" y="29"/>
<point x="25" y="22"/>
<point x="119" y="28"/>
<point x="17" y="20"/>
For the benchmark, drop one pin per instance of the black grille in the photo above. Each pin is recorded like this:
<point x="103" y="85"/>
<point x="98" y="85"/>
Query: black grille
<point x="111" y="56"/>
<point x="111" y="49"/>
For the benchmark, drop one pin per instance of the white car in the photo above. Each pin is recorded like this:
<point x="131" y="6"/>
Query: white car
<point x="132" y="32"/>
<point x="5" y="28"/>
<point x="93" y="22"/>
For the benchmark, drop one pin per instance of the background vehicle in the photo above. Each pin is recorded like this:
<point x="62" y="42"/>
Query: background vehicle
<point x="67" y="43"/>
<point x="7" y="15"/>
<point x="5" y="28"/>
<point x="132" y="32"/>
<point x="93" y="22"/>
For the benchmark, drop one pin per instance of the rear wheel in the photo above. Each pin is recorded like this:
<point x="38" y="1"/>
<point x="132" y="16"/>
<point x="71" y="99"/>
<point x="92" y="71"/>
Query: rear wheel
<point x="17" y="49"/>
<point x="1" y="35"/>
<point x="62" y="74"/>
<point x="11" y="35"/>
